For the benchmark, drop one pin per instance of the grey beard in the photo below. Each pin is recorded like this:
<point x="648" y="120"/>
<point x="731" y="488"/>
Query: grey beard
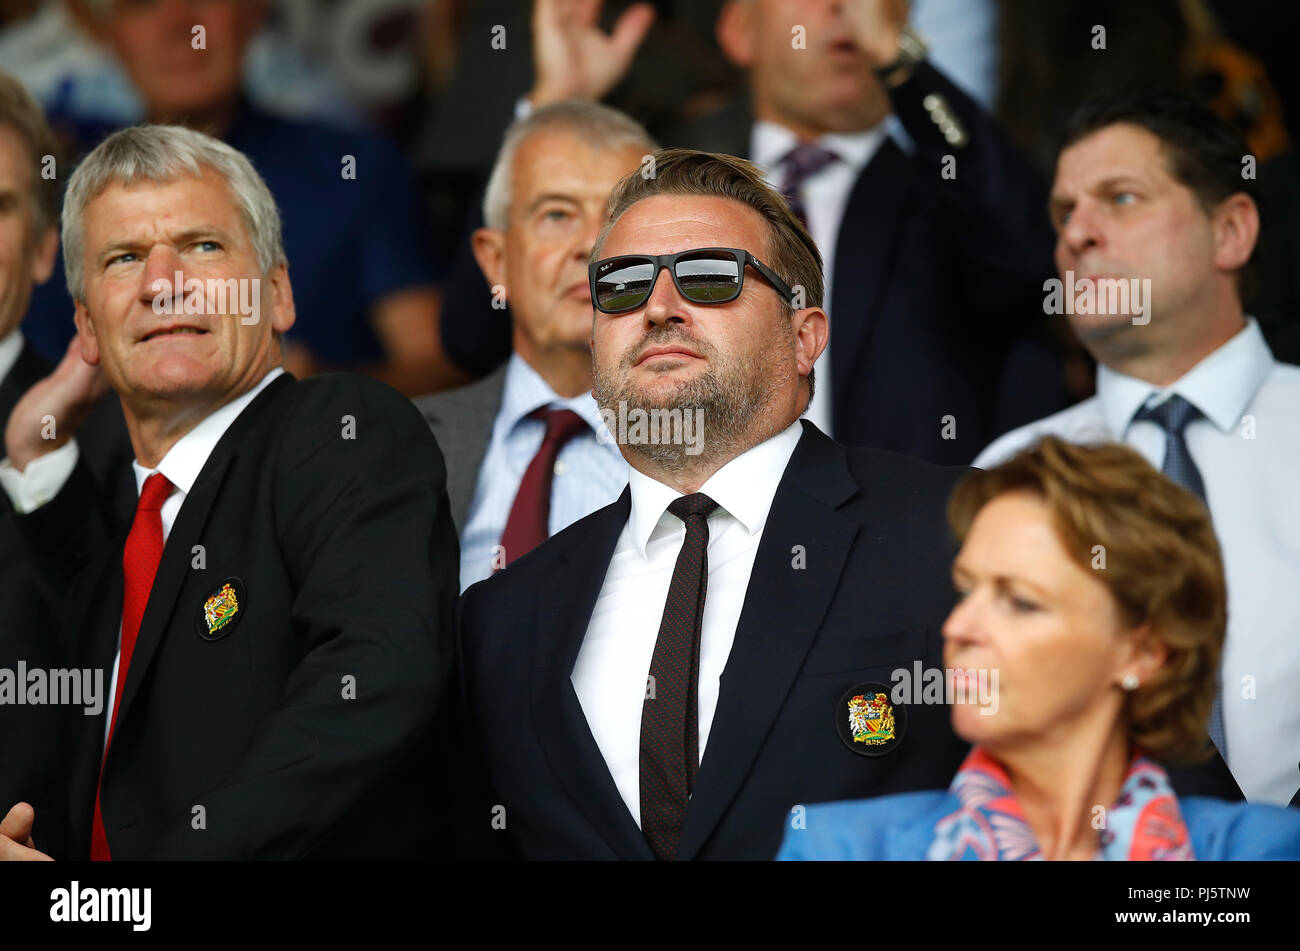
<point x="730" y="401"/>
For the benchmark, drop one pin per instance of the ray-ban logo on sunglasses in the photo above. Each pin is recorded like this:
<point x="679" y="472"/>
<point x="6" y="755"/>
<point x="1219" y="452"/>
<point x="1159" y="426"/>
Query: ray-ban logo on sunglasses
<point x="702" y="276"/>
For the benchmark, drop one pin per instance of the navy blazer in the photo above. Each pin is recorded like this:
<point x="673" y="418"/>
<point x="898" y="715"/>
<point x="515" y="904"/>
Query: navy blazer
<point x="938" y="334"/>
<point x="868" y="597"/>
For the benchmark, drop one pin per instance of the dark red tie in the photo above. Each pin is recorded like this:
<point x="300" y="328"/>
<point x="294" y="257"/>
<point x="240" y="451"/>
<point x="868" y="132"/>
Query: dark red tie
<point x="670" y="719"/>
<point x="144" y="547"/>
<point x="526" y="528"/>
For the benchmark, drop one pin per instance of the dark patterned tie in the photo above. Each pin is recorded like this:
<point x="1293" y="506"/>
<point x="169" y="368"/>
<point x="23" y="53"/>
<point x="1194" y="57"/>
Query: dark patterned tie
<point x="670" y="719"/>
<point x="798" y="165"/>
<point x="527" y="524"/>
<point x="1172" y="416"/>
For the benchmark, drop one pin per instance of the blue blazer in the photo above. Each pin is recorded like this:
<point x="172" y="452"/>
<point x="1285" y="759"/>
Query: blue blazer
<point x="902" y="827"/>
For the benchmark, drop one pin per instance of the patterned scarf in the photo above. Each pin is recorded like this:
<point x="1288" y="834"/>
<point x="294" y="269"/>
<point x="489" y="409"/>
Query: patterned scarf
<point x="1144" y="823"/>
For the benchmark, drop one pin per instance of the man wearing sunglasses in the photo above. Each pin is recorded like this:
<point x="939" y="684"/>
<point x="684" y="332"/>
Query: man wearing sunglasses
<point x="673" y="677"/>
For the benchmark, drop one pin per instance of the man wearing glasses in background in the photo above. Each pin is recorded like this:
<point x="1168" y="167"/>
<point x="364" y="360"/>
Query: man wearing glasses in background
<point x="751" y="582"/>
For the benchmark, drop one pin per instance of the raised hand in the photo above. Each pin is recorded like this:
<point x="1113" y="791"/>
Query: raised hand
<point x="573" y="57"/>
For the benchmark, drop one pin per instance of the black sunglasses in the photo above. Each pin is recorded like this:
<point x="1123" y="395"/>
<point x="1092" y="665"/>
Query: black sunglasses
<point x="702" y="276"/>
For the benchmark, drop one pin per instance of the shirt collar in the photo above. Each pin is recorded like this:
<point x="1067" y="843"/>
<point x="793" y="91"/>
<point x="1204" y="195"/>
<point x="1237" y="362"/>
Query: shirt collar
<point x="11" y="345"/>
<point x="526" y="391"/>
<point x="185" y="460"/>
<point x="744" y="487"/>
<point x="770" y="142"/>
<point x="1221" y="386"/>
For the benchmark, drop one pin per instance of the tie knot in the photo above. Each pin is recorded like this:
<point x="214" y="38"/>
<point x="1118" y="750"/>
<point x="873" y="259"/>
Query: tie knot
<point x="561" y="424"/>
<point x="695" y="504"/>
<point x="803" y="161"/>
<point x="154" y="493"/>
<point x="1172" y="415"/>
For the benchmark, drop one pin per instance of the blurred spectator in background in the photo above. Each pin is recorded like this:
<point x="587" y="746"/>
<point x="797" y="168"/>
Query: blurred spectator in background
<point x="523" y="457"/>
<point x="475" y="83"/>
<point x="68" y="72"/>
<point x="1149" y="191"/>
<point x="1056" y="55"/>
<point x="29" y="212"/>
<point x="1228" y="54"/>
<point x="945" y="246"/>
<point x="29" y="596"/>
<point x="1277" y="305"/>
<point x="58" y="56"/>
<point x="354" y="223"/>
<point x="488" y="64"/>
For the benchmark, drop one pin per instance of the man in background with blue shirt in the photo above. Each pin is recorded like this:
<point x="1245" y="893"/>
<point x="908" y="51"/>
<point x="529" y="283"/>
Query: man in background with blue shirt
<point x="1150" y="199"/>
<point x="524" y="447"/>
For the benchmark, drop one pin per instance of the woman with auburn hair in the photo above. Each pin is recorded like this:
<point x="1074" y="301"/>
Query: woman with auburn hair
<point x="1091" y="595"/>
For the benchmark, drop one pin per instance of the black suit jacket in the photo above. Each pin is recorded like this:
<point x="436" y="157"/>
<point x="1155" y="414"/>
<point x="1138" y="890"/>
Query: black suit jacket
<point x="24" y="742"/>
<point x="870" y="598"/>
<point x="937" y="297"/>
<point x="302" y="728"/>
<point x="31" y="601"/>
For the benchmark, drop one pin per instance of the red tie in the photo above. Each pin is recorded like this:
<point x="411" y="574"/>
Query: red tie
<point x="144" y="547"/>
<point x="526" y="528"/>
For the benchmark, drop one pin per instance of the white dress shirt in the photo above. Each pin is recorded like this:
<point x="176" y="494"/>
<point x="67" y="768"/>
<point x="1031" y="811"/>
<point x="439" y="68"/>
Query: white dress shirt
<point x="1246" y="445"/>
<point x="613" y="663"/>
<point x="825" y="196"/>
<point x="589" y="473"/>
<point x="181" y="465"/>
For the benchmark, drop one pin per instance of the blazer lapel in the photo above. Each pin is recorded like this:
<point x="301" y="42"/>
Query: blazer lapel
<point x="782" y="613"/>
<point x="865" y="252"/>
<point x="176" y="555"/>
<point x="563" y="615"/>
<point x="462" y="421"/>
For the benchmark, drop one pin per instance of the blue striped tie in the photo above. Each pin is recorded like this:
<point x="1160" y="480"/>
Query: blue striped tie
<point x="1172" y="416"/>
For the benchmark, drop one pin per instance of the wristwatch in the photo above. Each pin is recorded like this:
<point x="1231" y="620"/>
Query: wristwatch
<point x="911" y="50"/>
